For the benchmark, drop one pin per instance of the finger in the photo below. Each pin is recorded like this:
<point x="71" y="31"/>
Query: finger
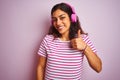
<point x="79" y="34"/>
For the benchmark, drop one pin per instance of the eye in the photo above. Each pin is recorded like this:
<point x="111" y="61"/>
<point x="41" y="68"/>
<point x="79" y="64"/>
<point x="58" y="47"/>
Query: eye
<point x="61" y="18"/>
<point x="54" y="19"/>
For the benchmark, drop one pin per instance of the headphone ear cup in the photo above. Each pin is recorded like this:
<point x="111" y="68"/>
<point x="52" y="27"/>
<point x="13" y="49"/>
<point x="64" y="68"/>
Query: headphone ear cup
<point x="74" y="18"/>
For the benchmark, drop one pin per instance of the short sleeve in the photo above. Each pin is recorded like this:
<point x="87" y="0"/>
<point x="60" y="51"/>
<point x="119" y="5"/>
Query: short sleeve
<point x="43" y="48"/>
<point x="89" y="43"/>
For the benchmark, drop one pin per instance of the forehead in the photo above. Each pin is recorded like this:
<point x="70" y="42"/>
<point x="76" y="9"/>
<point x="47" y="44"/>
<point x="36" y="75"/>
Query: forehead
<point x="58" y="13"/>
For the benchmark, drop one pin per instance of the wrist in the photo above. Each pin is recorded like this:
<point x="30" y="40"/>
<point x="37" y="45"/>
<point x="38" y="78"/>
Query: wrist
<point x="85" y="47"/>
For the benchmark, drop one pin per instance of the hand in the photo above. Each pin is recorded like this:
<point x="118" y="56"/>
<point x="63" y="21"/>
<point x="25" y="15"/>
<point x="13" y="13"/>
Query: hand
<point x="78" y="43"/>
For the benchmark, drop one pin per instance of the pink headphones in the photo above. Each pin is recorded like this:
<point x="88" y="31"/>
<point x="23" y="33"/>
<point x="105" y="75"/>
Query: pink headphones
<point x="73" y="15"/>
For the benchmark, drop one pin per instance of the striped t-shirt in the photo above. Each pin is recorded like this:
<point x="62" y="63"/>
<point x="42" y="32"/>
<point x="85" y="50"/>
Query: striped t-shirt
<point x="63" y="61"/>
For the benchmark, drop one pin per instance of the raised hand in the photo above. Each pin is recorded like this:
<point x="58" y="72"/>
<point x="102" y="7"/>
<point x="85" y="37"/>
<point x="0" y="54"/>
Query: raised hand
<point x="78" y="43"/>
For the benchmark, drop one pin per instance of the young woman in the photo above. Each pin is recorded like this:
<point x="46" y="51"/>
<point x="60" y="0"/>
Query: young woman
<point x="63" y="48"/>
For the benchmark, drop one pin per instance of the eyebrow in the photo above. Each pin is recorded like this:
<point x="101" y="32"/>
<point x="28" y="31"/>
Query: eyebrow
<point x="59" y="16"/>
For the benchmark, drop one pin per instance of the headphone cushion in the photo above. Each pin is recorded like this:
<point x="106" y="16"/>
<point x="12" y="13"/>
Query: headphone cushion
<point x="73" y="18"/>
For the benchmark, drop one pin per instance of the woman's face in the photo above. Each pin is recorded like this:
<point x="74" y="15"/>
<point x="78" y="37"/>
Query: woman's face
<point x="61" y="21"/>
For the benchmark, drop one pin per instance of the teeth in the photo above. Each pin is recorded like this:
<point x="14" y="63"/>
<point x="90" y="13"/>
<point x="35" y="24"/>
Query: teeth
<point x="60" y="27"/>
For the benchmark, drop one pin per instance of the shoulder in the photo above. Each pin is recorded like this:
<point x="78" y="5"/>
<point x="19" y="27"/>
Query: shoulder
<point x="84" y="36"/>
<point x="48" y="37"/>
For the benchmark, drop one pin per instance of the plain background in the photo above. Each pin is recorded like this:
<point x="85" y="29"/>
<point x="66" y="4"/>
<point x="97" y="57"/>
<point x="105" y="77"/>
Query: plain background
<point x="23" y="24"/>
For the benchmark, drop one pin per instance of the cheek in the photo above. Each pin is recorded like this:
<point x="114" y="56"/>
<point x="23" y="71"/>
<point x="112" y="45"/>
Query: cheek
<point x="68" y="23"/>
<point x="54" y="24"/>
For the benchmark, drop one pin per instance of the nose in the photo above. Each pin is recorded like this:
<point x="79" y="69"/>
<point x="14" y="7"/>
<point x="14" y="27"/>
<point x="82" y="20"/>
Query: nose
<point x="58" y="22"/>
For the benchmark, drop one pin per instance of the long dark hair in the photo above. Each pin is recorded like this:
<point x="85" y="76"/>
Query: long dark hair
<point x="74" y="26"/>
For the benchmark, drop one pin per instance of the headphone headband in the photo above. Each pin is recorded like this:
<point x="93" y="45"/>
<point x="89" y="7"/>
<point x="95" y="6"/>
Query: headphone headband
<point x="73" y="15"/>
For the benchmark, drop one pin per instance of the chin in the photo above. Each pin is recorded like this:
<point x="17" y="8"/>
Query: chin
<point x="61" y="32"/>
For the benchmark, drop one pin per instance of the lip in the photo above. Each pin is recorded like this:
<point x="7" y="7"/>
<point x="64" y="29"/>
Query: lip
<point x="60" y="27"/>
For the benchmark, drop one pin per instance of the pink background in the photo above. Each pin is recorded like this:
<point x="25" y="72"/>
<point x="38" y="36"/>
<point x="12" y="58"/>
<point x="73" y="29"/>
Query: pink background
<point x="23" y="23"/>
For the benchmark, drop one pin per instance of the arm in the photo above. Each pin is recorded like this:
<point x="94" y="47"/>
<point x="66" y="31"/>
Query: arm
<point x="93" y="60"/>
<point x="41" y="68"/>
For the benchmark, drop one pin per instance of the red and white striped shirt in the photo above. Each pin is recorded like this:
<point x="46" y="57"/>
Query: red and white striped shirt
<point x="63" y="62"/>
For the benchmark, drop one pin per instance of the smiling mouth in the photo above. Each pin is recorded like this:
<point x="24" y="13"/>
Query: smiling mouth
<point x="60" y="27"/>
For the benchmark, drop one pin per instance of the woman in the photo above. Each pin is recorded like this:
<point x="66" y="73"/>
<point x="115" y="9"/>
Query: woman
<point x="62" y="50"/>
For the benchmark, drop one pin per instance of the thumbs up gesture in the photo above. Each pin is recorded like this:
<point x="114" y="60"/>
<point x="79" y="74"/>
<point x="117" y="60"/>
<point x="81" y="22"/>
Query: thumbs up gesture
<point x="78" y="43"/>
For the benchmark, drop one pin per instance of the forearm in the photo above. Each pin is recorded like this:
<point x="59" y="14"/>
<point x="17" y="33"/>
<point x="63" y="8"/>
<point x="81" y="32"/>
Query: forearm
<point x="40" y="73"/>
<point x="93" y="60"/>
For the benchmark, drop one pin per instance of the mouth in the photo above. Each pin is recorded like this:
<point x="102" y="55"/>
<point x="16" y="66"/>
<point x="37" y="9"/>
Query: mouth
<point x="60" y="28"/>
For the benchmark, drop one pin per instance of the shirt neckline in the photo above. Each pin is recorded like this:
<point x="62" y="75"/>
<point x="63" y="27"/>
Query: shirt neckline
<point x="61" y="40"/>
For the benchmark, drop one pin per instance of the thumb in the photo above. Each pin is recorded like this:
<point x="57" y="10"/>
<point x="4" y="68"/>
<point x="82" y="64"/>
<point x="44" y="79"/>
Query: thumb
<point x="79" y="34"/>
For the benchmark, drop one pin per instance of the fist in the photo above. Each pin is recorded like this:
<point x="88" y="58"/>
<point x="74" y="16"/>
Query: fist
<point x="78" y="43"/>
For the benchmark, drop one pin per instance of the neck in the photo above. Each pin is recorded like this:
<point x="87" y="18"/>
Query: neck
<point x="64" y="38"/>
